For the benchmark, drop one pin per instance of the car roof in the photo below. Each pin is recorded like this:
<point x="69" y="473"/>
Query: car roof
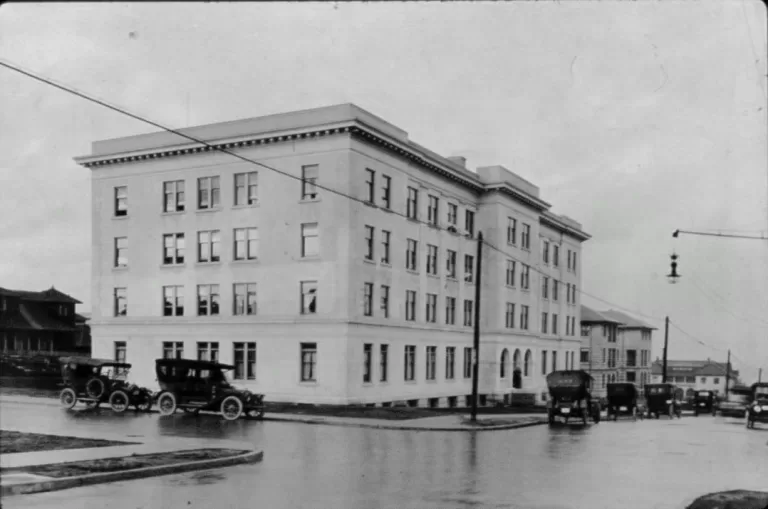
<point x="89" y="361"/>
<point x="193" y="363"/>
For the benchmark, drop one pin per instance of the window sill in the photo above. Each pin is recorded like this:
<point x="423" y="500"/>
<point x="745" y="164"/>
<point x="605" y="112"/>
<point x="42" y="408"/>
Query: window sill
<point x="172" y="212"/>
<point x="205" y="264"/>
<point x="412" y="271"/>
<point x="433" y="276"/>
<point x="410" y="382"/>
<point x="413" y="219"/>
<point x="452" y="279"/>
<point x="368" y="384"/>
<point x="383" y="382"/>
<point x="121" y="268"/>
<point x="370" y="204"/>
<point x="386" y="209"/>
<point x="309" y="200"/>
<point x="242" y="262"/>
<point x="511" y="287"/>
<point x="434" y="226"/>
<point x="308" y="383"/>
<point x="313" y="258"/>
<point x="119" y="218"/>
<point x="369" y="261"/>
<point x="208" y="211"/>
<point x="173" y="265"/>
<point x="386" y="264"/>
<point x="247" y="206"/>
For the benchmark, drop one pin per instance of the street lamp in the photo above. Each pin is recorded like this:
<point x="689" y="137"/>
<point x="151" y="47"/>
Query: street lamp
<point x="673" y="275"/>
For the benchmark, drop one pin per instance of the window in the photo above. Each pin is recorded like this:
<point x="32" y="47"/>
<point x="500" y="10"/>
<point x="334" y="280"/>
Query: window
<point x="207" y="300"/>
<point x="173" y="301"/>
<point x="246" y="243"/>
<point x="716" y="380"/>
<point x="573" y="262"/>
<point x="555" y="255"/>
<point x="453" y="214"/>
<point x="527" y="363"/>
<point x="469" y="268"/>
<point x="510" y="273"/>
<point x="370" y="183"/>
<point x="412" y="205"/>
<point x="385" y="301"/>
<point x="385" y="187"/>
<point x="410" y="363"/>
<point x="121" y="303"/>
<point x="544" y="322"/>
<point x="432" y="210"/>
<point x="554" y="361"/>
<point x="411" y="254"/>
<point x="703" y="379"/>
<point x="120" y="351"/>
<point x="568" y="293"/>
<point x="525" y="239"/>
<point x="543" y="362"/>
<point x="208" y="246"/>
<point x="308" y="297"/>
<point x="469" y="223"/>
<point x="467" y="362"/>
<point x="245" y="299"/>
<point x="121" y="201"/>
<point x="450" y="310"/>
<point x="121" y="251"/>
<point x="524" y="317"/>
<point x="431" y="259"/>
<point x="244" y="361"/>
<point x="246" y="188"/>
<point x="385" y="235"/>
<point x="631" y="376"/>
<point x="309" y="176"/>
<point x="544" y="287"/>
<point x="173" y="350"/>
<point x="368" y="299"/>
<point x="604" y="355"/>
<point x="504" y="363"/>
<point x="431" y="362"/>
<point x="584" y="356"/>
<point x="208" y="192"/>
<point x="310" y="245"/>
<point x="367" y="363"/>
<point x="450" y="362"/>
<point x="570" y="254"/>
<point x="369" y="242"/>
<point x="510" y="316"/>
<point x="450" y="264"/>
<point x="554" y="323"/>
<point x="208" y="351"/>
<point x="555" y="289"/>
<point x="410" y="305"/>
<point x="308" y="362"/>
<point x="431" y="307"/>
<point x="173" y="244"/>
<point x="468" y="315"/>
<point x="511" y="230"/>
<point x="545" y="251"/>
<point x="631" y="358"/>
<point x="586" y="330"/>
<point x="525" y="277"/>
<point x="173" y="193"/>
<point x="383" y="362"/>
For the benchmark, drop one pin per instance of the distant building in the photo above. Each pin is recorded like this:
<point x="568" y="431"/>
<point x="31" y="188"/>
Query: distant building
<point x="696" y="375"/>
<point x="41" y="323"/>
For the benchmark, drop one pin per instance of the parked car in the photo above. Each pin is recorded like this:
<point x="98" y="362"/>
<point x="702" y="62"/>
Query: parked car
<point x="195" y="386"/>
<point x="661" y="400"/>
<point x="758" y="408"/>
<point x="570" y="397"/>
<point x="704" y="402"/>
<point x="97" y="381"/>
<point x="735" y="404"/>
<point x="622" y="400"/>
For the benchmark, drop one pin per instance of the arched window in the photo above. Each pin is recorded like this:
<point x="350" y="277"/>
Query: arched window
<point x="504" y="363"/>
<point x="527" y="367"/>
<point x="517" y="374"/>
<point x="516" y="361"/>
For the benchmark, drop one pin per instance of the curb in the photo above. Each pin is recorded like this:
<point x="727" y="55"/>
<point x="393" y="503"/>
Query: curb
<point x="136" y="473"/>
<point x="410" y="428"/>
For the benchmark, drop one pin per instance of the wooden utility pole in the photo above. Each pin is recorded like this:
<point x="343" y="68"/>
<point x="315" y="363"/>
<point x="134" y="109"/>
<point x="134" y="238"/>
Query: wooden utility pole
<point x="476" y="349"/>
<point x="760" y="375"/>
<point x="727" y="373"/>
<point x="666" y="342"/>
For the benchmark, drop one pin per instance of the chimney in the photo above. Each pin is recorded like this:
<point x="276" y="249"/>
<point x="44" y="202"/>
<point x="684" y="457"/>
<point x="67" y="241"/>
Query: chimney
<point x="460" y="160"/>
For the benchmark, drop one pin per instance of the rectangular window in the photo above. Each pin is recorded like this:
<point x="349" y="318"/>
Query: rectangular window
<point x="385" y="235"/>
<point x="573" y="262"/>
<point x="121" y="251"/>
<point x="370" y="183"/>
<point x="556" y="255"/>
<point x="246" y="188"/>
<point x="554" y="323"/>
<point x="525" y="239"/>
<point x="245" y="361"/>
<point x="450" y="362"/>
<point x="431" y="362"/>
<point x="410" y="305"/>
<point x="121" y="302"/>
<point x="450" y="310"/>
<point x="207" y="300"/>
<point x="544" y="287"/>
<point x="431" y="307"/>
<point x="468" y="313"/>
<point x="453" y="214"/>
<point x="310" y="244"/>
<point x="573" y="292"/>
<point x="411" y="254"/>
<point x="383" y="362"/>
<point x="469" y="268"/>
<point x="409" y="368"/>
<point x="544" y="322"/>
<point x="308" y="297"/>
<point x="412" y="205"/>
<point x="510" y="316"/>
<point x="367" y="363"/>
<point x="467" y="362"/>
<point x="120" y="351"/>
<point x="432" y="210"/>
<point x="524" y="317"/>
<point x="173" y="248"/>
<point x="431" y="259"/>
<point x="208" y="192"/>
<point x="450" y="264"/>
<point x="308" y="362"/>
<point x="386" y="182"/>
<point x="545" y="251"/>
<point x="385" y="301"/>
<point x="584" y="356"/>
<point x="554" y="361"/>
<point x="369" y="242"/>
<point x="121" y="201"/>
<point x="173" y="193"/>
<point x="631" y="358"/>
<point x="208" y="351"/>
<point x="543" y="362"/>
<point x="208" y="246"/>
<point x="309" y="176"/>
<point x="173" y="301"/>
<point x="246" y="243"/>
<point x="173" y="350"/>
<point x="469" y="223"/>
<point x="525" y="277"/>
<point x="511" y="230"/>
<point x="245" y="299"/>
<point x="368" y="299"/>
<point x="510" y="273"/>
<point x="555" y="289"/>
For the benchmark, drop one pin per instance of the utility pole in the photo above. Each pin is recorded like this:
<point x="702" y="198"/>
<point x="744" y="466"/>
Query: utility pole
<point x="666" y="342"/>
<point x="727" y="373"/>
<point x="760" y="375"/>
<point x="476" y="349"/>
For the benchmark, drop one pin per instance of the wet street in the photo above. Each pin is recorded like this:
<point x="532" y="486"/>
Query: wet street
<point x="631" y="465"/>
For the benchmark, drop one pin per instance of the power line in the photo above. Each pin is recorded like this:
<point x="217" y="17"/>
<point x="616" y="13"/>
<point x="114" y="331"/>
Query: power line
<point x="694" y="338"/>
<point x="696" y="282"/>
<point x="677" y="232"/>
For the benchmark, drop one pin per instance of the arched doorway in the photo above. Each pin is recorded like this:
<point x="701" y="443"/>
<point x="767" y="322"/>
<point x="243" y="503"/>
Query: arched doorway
<point x="504" y="364"/>
<point x="527" y="367"/>
<point x="517" y="373"/>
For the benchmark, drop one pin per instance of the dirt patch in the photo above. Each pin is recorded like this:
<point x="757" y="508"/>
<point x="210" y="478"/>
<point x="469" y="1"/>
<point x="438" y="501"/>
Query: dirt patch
<point x="737" y="499"/>
<point x="15" y="442"/>
<point x="78" y="468"/>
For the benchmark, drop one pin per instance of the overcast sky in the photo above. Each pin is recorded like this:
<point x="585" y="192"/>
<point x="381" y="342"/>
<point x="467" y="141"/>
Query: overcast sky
<point x="634" y="118"/>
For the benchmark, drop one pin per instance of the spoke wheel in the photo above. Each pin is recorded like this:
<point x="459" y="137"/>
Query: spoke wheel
<point x="144" y="403"/>
<point x="95" y="388"/>
<point x="119" y="401"/>
<point x="166" y="403"/>
<point x="68" y="398"/>
<point x="231" y="408"/>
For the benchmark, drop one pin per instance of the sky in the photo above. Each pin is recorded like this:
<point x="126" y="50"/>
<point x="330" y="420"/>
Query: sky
<point x="634" y="118"/>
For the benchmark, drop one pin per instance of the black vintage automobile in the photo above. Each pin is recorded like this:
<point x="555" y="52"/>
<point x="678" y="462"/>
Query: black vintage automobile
<point x="661" y="399"/>
<point x="196" y="386"/>
<point x="704" y="402"/>
<point x="735" y="404"/>
<point x="97" y="381"/>
<point x="622" y="400"/>
<point x="758" y="408"/>
<point x="570" y="397"/>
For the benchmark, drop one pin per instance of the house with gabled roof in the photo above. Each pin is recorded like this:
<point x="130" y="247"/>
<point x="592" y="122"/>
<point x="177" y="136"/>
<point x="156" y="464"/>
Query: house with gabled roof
<point x="696" y="375"/>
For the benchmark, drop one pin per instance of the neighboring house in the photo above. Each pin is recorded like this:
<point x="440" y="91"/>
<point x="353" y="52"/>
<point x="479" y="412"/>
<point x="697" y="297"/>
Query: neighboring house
<point x="318" y="298"/>
<point x="693" y="376"/>
<point x="34" y="323"/>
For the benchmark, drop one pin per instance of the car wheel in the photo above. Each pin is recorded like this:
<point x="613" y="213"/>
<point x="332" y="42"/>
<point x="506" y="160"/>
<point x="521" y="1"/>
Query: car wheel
<point x="166" y="403"/>
<point x="231" y="408"/>
<point x="68" y="398"/>
<point x="119" y="401"/>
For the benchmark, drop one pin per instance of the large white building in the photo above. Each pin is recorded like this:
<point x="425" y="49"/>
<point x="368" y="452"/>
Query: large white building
<point x="316" y="297"/>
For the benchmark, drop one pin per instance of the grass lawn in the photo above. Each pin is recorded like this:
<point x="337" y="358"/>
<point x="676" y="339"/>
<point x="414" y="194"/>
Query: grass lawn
<point x="14" y="442"/>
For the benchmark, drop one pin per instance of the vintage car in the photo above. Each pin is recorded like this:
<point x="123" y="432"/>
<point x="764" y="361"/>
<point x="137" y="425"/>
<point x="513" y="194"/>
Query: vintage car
<point x="661" y="399"/>
<point x="570" y="397"/>
<point x="97" y="381"/>
<point x="735" y="403"/>
<point x="195" y="386"/>
<point x="622" y="400"/>
<point x="704" y="402"/>
<point x="758" y="408"/>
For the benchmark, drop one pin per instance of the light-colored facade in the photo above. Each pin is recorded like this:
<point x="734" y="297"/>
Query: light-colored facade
<point x="318" y="297"/>
<point x="691" y="376"/>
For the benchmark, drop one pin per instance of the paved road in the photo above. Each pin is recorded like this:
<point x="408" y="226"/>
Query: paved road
<point x="628" y="465"/>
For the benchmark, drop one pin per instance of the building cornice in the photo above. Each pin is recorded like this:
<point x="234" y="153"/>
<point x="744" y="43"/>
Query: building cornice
<point x="563" y="227"/>
<point x="504" y="188"/>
